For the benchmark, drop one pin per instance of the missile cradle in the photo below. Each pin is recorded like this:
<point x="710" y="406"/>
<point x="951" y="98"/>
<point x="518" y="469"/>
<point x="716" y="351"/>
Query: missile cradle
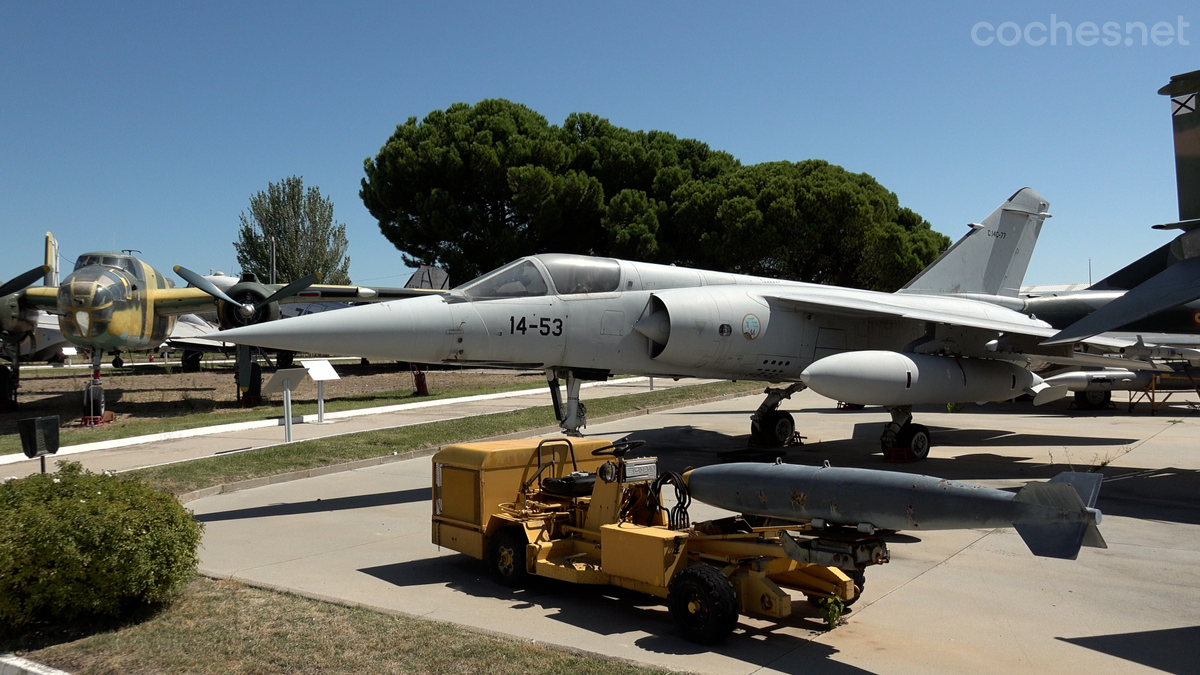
<point x="1054" y="518"/>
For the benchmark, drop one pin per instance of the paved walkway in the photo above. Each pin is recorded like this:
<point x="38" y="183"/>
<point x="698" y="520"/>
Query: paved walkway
<point x="965" y="601"/>
<point x="131" y="453"/>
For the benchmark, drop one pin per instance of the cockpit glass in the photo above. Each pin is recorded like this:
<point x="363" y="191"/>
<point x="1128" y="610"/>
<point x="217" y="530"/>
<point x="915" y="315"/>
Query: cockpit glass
<point x="520" y="279"/>
<point x="121" y="262"/>
<point x="573" y="274"/>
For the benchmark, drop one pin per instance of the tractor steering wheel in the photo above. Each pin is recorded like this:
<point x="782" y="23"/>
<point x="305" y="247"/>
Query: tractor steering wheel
<point x="618" y="448"/>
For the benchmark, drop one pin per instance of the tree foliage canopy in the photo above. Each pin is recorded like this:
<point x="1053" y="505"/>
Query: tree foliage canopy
<point x="307" y="239"/>
<point x="470" y="188"/>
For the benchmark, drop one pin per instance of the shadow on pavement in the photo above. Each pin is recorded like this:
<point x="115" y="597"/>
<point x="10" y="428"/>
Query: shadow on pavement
<point x="319" y="505"/>
<point x="608" y="611"/>
<point x="1172" y="650"/>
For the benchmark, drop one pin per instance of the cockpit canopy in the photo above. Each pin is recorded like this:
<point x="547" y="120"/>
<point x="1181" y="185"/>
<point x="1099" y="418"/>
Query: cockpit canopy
<point x="118" y="260"/>
<point x="570" y="275"/>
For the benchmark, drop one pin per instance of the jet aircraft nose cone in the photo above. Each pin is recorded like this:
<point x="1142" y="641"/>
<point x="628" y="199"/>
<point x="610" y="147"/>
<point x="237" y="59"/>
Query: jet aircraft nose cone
<point x="413" y="330"/>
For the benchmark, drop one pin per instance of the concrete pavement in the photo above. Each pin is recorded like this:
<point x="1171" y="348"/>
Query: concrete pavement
<point x="949" y="602"/>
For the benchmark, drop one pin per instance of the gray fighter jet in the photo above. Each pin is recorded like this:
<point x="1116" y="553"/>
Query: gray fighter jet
<point x="584" y="318"/>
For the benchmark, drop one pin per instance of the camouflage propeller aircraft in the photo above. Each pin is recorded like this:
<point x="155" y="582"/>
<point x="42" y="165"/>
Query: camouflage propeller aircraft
<point x="114" y="302"/>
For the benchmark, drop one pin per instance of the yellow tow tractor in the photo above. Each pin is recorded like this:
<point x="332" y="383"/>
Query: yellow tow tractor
<point x="579" y="511"/>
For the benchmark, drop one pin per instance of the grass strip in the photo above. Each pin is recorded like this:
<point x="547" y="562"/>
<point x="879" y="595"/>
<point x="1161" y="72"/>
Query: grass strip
<point x="226" y="627"/>
<point x="209" y="414"/>
<point x="201" y="473"/>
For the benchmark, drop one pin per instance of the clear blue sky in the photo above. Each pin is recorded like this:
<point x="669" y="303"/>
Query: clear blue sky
<point x="149" y="125"/>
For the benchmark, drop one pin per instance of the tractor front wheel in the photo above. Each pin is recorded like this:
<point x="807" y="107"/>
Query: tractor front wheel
<point x="703" y="604"/>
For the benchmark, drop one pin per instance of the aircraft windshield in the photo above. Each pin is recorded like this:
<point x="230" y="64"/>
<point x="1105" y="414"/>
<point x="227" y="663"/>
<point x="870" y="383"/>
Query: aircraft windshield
<point x="123" y="262"/>
<point x="520" y="279"/>
<point x="574" y="274"/>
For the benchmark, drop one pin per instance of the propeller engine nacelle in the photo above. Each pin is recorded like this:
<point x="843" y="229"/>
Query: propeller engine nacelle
<point x="247" y="293"/>
<point x="15" y="321"/>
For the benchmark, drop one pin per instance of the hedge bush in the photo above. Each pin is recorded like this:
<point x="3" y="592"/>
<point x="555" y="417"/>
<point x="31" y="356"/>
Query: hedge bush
<point x="75" y="545"/>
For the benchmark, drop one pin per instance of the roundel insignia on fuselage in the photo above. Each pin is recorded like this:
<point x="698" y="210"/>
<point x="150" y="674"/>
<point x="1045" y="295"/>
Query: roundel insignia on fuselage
<point x="750" y="327"/>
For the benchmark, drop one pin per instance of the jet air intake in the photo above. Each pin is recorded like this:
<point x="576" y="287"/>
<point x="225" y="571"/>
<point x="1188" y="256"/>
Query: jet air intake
<point x="692" y="327"/>
<point x="895" y="379"/>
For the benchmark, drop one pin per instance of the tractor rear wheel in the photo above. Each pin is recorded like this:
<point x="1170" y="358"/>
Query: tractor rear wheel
<point x="703" y="604"/>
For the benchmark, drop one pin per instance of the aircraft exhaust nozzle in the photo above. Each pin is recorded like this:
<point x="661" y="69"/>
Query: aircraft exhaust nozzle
<point x="414" y="329"/>
<point x="893" y="378"/>
<point x="1054" y="518"/>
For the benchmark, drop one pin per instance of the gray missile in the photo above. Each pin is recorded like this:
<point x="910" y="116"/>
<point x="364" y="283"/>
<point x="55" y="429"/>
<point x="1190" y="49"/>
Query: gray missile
<point x="1054" y="518"/>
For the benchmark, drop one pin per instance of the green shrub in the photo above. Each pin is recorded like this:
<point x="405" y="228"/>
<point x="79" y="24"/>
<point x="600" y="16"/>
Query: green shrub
<point x="82" y="546"/>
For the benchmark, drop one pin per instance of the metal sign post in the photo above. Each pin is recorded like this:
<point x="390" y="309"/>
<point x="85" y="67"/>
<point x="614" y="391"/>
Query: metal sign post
<point x="39" y="437"/>
<point x="286" y="380"/>
<point x="320" y="371"/>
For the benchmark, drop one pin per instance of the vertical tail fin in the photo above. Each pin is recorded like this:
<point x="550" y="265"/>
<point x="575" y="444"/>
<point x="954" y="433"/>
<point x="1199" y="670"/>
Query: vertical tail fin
<point x="1184" y="91"/>
<point x="992" y="258"/>
<point x="51" y="278"/>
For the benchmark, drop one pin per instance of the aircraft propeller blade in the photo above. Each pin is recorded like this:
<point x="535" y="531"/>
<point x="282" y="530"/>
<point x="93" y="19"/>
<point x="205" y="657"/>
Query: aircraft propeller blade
<point x="289" y="290"/>
<point x="205" y="285"/>
<point x="19" y="282"/>
<point x="1177" y="285"/>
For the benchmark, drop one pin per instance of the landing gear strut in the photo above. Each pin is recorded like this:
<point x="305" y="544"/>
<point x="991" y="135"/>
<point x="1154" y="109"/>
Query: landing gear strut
<point x="574" y="416"/>
<point x="911" y="440"/>
<point x="8" y="390"/>
<point x="771" y="425"/>
<point x="93" y="394"/>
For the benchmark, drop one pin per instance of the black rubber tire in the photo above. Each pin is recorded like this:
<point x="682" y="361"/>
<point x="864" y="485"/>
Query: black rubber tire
<point x="1093" y="400"/>
<point x="703" y="604"/>
<point x="93" y="401"/>
<point x="781" y="427"/>
<point x="916" y="438"/>
<point x="860" y="580"/>
<point x="506" y="557"/>
<point x="8" y="392"/>
<point x="117" y="361"/>
<point x="285" y="359"/>
<point x="190" y="360"/>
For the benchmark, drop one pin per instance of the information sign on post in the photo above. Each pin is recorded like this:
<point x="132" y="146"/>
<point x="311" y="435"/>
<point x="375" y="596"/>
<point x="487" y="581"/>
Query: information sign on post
<point x="320" y="371"/>
<point x="286" y="380"/>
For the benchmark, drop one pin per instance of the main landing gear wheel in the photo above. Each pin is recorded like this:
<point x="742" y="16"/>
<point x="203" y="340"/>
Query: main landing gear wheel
<point x="703" y="604"/>
<point x="93" y="400"/>
<point x="913" y="437"/>
<point x="779" y="429"/>
<point x="506" y="557"/>
<point x="1093" y="400"/>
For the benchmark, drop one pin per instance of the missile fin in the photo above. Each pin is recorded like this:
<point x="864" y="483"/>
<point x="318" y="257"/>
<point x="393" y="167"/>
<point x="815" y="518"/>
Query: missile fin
<point x="1086" y="484"/>
<point x="1053" y="540"/>
<point x="1058" y="495"/>
<point x="1092" y="537"/>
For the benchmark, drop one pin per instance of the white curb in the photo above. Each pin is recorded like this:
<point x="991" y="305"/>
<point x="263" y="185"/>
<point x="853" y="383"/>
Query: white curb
<point x="304" y="419"/>
<point x="15" y="665"/>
